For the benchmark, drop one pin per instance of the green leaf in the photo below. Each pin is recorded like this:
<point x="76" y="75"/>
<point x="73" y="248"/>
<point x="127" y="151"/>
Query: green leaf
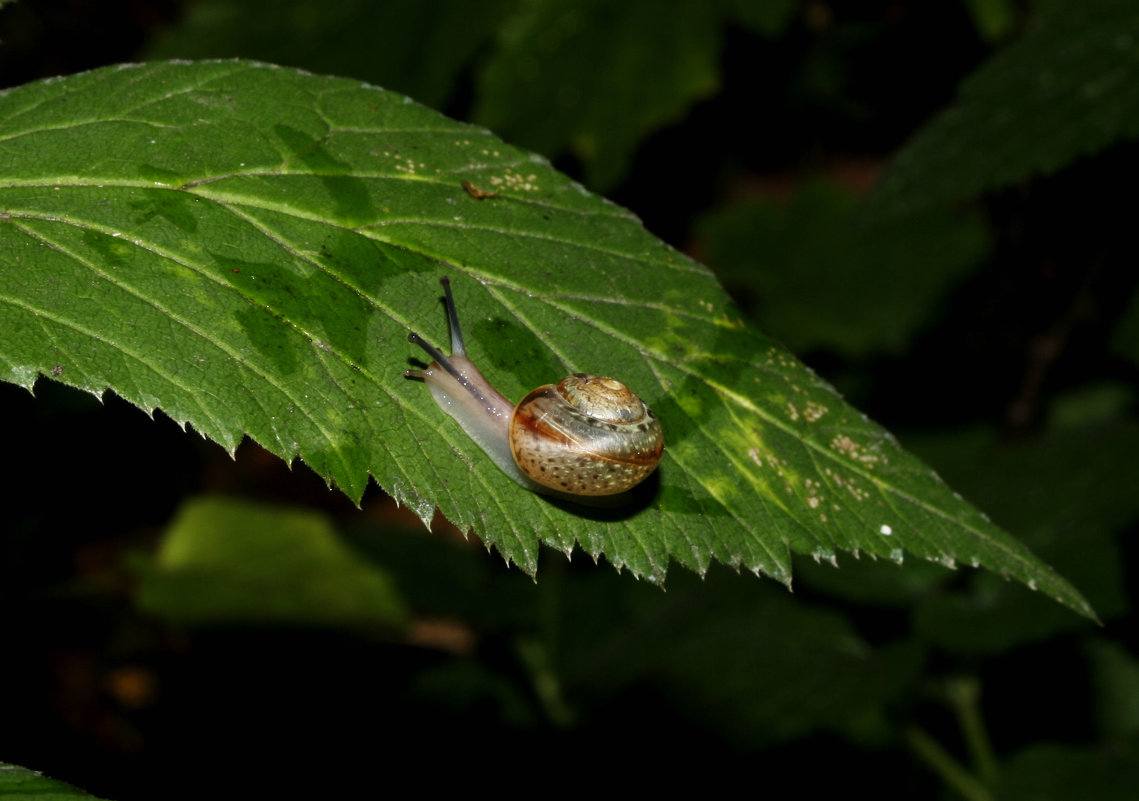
<point x="226" y="562"/>
<point x="595" y="76"/>
<point x="17" y="782"/>
<point x="245" y="247"/>
<point x="1125" y="340"/>
<point x="709" y="646"/>
<point x="768" y="18"/>
<point x="436" y="39"/>
<point x="1016" y="482"/>
<point x="1069" y="88"/>
<point x="1055" y="772"/>
<point x="992" y="18"/>
<point x="820" y="276"/>
<point x="1116" y="685"/>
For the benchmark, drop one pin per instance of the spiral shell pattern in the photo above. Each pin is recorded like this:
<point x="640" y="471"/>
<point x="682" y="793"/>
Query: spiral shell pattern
<point x="586" y="435"/>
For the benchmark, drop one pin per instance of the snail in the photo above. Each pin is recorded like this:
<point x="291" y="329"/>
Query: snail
<point x="583" y="437"/>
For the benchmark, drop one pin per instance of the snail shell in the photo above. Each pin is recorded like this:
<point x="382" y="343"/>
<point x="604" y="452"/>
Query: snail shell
<point x="585" y="436"/>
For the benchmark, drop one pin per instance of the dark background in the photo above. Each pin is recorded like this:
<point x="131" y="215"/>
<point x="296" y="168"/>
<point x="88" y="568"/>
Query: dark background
<point x="996" y="337"/>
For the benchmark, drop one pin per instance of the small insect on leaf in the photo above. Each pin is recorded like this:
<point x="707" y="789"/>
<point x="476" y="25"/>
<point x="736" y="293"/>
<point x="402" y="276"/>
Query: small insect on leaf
<point x="476" y="193"/>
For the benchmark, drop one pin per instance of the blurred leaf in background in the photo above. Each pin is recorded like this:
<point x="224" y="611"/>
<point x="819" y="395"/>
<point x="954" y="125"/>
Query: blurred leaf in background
<point x="1067" y="89"/>
<point x="594" y="78"/>
<point x="819" y="275"/>
<point x="227" y="563"/>
<point x="419" y="48"/>
<point x="750" y="665"/>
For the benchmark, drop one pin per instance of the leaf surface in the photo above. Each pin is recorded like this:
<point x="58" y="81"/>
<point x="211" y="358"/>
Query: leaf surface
<point x="246" y="247"/>
<point x="18" y="782"/>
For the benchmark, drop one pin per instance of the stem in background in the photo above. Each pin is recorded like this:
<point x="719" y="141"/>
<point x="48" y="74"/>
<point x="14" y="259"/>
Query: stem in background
<point x="964" y="696"/>
<point x="1046" y="349"/>
<point x="941" y="762"/>
<point x="544" y="680"/>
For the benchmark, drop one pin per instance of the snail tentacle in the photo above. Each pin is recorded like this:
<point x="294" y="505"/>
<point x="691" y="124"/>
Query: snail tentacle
<point x="457" y="346"/>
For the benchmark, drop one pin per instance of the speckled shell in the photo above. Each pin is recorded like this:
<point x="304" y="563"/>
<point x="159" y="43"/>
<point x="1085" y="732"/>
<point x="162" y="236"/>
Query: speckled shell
<point x="586" y="435"/>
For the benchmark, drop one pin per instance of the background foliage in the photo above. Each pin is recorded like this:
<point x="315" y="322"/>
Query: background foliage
<point x="991" y="321"/>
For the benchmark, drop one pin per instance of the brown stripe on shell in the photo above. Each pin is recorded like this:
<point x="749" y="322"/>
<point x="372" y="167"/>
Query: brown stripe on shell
<point x="567" y="449"/>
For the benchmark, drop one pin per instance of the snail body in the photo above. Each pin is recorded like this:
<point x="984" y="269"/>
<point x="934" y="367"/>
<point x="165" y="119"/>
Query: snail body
<point x="585" y="436"/>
